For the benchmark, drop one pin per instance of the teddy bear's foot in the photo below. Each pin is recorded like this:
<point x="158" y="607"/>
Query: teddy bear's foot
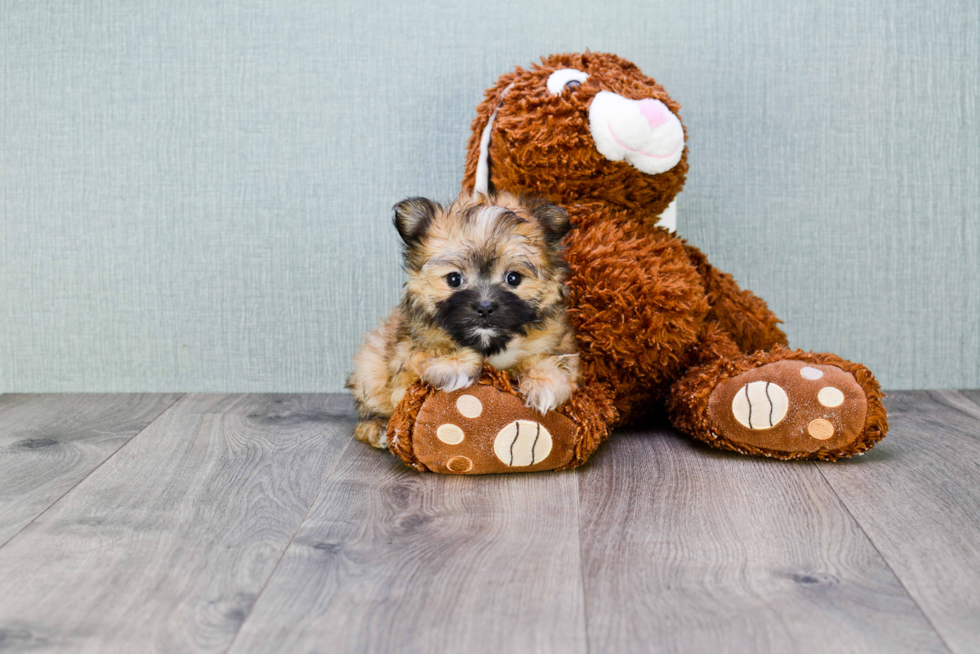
<point x="785" y="404"/>
<point x="486" y="428"/>
<point x="790" y="406"/>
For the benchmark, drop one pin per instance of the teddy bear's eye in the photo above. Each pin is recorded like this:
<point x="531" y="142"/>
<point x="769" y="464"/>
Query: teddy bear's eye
<point x="566" y="78"/>
<point x="454" y="279"/>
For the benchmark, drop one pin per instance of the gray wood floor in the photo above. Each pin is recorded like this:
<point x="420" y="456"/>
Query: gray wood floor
<point x="253" y="523"/>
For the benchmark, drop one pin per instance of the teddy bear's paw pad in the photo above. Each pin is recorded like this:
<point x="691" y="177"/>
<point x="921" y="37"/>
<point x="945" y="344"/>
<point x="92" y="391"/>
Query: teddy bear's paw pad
<point x="789" y="406"/>
<point x="480" y="429"/>
<point x="522" y="443"/>
<point x="760" y="405"/>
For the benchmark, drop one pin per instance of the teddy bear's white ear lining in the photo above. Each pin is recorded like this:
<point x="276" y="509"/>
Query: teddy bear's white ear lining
<point x="668" y="219"/>
<point x="481" y="186"/>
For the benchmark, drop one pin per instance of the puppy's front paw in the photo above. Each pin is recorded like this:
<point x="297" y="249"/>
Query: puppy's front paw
<point x="373" y="432"/>
<point x="544" y="390"/>
<point x="450" y="373"/>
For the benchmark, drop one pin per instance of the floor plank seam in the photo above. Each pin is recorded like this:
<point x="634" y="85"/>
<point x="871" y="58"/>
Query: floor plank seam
<point x="581" y="560"/>
<point x="960" y="410"/>
<point x="884" y="559"/>
<point x="77" y="484"/>
<point x="289" y="544"/>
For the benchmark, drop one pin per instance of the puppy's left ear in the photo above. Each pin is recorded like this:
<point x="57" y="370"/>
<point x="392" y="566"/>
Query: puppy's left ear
<point x="413" y="217"/>
<point x="553" y="219"/>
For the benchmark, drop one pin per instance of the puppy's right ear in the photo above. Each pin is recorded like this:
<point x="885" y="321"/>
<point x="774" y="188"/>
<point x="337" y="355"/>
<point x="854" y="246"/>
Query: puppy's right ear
<point x="413" y="217"/>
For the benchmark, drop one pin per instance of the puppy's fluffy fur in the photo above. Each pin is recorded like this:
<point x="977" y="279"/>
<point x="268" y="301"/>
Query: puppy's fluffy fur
<point x="485" y="285"/>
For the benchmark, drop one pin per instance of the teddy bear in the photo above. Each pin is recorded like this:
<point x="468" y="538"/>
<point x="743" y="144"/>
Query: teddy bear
<point x="660" y="330"/>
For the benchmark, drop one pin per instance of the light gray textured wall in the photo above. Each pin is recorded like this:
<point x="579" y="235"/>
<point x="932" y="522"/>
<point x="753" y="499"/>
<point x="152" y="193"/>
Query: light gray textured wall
<point x="194" y="195"/>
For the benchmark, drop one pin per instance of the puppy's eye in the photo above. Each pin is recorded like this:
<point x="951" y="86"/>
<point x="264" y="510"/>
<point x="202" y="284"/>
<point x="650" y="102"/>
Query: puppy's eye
<point x="454" y="279"/>
<point x="514" y="278"/>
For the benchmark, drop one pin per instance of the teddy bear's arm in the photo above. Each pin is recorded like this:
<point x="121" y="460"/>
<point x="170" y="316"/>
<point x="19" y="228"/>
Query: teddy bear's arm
<point x="744" y="315"/>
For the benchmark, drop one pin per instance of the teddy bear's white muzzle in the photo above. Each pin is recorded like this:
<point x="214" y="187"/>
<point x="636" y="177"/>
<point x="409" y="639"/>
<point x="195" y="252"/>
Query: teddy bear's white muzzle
<point x="644" y="133"/>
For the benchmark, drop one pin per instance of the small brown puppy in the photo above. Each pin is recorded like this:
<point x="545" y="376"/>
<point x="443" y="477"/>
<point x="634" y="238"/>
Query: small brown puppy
<point x="485" y="285"/>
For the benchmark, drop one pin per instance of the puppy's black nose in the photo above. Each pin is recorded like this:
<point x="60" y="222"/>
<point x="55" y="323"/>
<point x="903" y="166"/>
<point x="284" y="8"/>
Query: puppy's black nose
<point x="485" y="309"/>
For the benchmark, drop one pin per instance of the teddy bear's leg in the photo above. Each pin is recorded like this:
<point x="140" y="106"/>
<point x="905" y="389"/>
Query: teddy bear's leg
<point x="745" y="316"/>
<point x="782" y="403"/>
<point x="486" y="428"/>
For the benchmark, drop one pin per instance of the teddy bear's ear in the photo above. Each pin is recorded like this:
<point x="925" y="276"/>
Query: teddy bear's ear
<point x="413" y="217"/>
<point x="477" y="176"/>
<point x="553" y="219"/>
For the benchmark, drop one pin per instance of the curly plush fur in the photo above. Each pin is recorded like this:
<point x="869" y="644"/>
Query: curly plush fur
<point x="658" y="327"/>
<point x="657" y="324"/>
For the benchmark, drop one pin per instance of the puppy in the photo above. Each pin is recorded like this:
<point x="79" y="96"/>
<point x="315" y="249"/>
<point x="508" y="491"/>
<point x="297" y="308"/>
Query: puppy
<point x="485" y="285"/>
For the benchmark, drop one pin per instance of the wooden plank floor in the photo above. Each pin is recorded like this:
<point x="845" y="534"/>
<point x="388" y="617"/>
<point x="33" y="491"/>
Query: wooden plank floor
<point x="253" y="523"/>
<point x="49" y="443"/>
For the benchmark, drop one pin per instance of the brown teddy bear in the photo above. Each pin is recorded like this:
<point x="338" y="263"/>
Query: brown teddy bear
<point x="658" y="327"/>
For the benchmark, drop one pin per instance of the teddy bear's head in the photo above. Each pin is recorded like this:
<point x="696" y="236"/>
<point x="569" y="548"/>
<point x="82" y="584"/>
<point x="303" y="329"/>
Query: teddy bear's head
<point x="580" y="128"/>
